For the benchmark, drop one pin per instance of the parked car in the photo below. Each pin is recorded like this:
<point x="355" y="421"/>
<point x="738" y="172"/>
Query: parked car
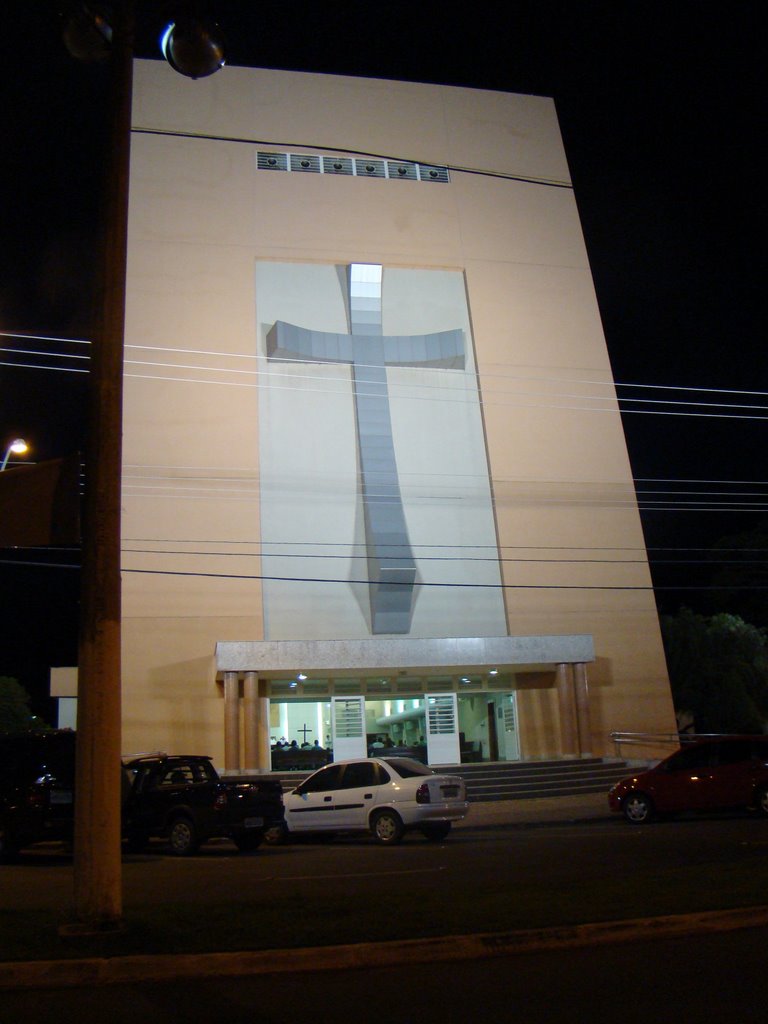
<point x="387" y="796"/>
<point x="702" y="776"/>
<point x="180" y="798"/>
<point x="37" y="781"/>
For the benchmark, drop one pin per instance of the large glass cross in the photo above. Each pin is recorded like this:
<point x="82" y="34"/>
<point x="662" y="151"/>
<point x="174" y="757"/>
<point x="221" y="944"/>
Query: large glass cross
<point x="391" y="564"/>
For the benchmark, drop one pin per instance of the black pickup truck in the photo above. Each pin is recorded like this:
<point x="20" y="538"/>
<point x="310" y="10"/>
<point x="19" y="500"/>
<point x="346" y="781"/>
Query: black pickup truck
<point x="182" y="798"/>
<point x="174" y="797"/>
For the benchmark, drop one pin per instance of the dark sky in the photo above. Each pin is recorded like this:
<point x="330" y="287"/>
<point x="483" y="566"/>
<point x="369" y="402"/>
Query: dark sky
<point x="662" y="108"/>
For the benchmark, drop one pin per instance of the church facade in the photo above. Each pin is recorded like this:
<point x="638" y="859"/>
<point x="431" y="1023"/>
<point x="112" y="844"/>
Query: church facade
<point x="375" y="484"/>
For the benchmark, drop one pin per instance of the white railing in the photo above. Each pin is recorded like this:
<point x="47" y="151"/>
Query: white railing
<point x="652" y="739"/>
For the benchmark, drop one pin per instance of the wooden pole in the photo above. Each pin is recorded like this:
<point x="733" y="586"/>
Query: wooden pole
<point x="97" y="864"/>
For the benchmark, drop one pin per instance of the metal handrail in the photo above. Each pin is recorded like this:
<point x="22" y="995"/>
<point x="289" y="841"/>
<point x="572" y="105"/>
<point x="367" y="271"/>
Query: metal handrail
<point x="678" y="739"/>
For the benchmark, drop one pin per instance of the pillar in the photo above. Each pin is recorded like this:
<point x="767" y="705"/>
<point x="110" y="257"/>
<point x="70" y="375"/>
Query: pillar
<point x="250" y="721"/>
<point x="231" y="721"/>
<point x="582" y="708"/>
<point x="569" y="733"/>
<point x="263" y="746"/>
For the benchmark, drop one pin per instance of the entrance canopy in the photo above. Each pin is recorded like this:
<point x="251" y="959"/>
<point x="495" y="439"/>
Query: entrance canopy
<point x="281" y="659"/>
<point x="444" y="698"/>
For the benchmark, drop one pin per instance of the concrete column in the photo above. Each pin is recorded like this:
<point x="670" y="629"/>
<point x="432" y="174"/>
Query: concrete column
<point x="231" y="721"/>
<point x="264" y="753"/>
<point x="582" y="708"/>
<point x="569" y="733"/>
<point x="250" y="721"/>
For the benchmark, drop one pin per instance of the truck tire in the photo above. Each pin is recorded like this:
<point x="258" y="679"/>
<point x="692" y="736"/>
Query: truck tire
<point x="182" y="837"/>
<point x="276" y="835"/>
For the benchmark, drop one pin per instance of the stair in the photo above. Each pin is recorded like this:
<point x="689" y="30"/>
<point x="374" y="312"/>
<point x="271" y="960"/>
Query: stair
<point x="521" y="780"/>
<point x="525" y="780"/>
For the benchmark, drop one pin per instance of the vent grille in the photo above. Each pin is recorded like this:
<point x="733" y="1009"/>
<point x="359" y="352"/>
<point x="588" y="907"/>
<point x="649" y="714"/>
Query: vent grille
<point x="337" y="165"/>
<point x="440" y="716"/>
<point x="310" y="163"/>
<point x="272" y="161"/>
<point x="397" y="169"/>
<point x="305" y="163"/>
<point x="428" y="173"/>
<point x="349" y="718"/>
<point x="370" y="169"/>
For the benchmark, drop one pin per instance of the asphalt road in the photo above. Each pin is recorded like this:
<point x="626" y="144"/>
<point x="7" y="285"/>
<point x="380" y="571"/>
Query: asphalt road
<point x="351" y="890"/>
<point x="718" y="977"/>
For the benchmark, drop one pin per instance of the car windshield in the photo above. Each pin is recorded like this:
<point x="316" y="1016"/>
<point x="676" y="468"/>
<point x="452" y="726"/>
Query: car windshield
<point x="406" y="767"/>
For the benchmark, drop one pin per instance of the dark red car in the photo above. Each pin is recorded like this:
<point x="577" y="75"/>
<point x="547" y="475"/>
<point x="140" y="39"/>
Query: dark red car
<point x="707" y="775"/>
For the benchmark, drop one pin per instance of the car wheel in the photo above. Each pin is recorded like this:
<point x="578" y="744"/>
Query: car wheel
<point x="638" y="808"/>
<point x="761" y="801"/>
<point x="276" y="835"/>
<point x="387" y="828"/>
<point x="436" y="831"/>
<point x="182" y="837"/>
<point x="249" y="841"/>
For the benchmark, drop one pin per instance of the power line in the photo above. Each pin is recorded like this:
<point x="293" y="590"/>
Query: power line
<point x="308" y="362"/>
<point x="624" y="404"/>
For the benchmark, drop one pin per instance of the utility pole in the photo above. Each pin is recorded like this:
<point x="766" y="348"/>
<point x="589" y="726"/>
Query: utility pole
<point x="97" y="845"/>
<point x="193" y="46"/>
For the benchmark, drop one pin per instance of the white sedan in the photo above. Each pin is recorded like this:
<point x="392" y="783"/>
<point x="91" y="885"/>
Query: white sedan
<point x="384" y="795"/>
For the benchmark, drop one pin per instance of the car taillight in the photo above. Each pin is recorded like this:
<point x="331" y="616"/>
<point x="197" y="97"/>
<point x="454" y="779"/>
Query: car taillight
<point x="422" y="794"/>
<point x="220" y="802"/>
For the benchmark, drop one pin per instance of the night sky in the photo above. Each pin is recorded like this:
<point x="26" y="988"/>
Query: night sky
<point x="662" y="107"/>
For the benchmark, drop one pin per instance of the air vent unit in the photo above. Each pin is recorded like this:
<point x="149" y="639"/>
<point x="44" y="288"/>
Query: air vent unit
<point x="337" y="165"/>
<point x="398" y="169"/>
<point x="427" y="173"/>
<point x="272" y="161"/>
<point x="303" y="162"/>
<point x="370" y="169"/>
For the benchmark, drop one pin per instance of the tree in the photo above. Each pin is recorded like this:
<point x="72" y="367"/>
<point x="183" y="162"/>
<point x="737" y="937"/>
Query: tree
<point x="718" y="670"/>
<point x="15" y="712"/>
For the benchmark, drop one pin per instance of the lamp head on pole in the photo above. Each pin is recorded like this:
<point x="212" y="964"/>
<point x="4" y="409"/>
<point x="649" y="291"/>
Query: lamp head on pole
<point x="87" y="31"/>
<point x="17" y="447"/>
<point x="193" y="45"/>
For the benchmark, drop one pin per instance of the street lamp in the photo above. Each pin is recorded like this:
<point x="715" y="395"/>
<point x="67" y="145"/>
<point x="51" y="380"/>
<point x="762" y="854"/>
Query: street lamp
<point x="194" y="48"/>
<point x="18" y="446"/>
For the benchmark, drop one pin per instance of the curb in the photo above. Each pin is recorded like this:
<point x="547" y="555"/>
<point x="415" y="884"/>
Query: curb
<point x="131" y="969"/>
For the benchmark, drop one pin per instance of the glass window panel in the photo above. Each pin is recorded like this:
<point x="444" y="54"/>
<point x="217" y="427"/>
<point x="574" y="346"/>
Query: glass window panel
<point x="324" y="781"/>
<point x="361" y="773"/>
